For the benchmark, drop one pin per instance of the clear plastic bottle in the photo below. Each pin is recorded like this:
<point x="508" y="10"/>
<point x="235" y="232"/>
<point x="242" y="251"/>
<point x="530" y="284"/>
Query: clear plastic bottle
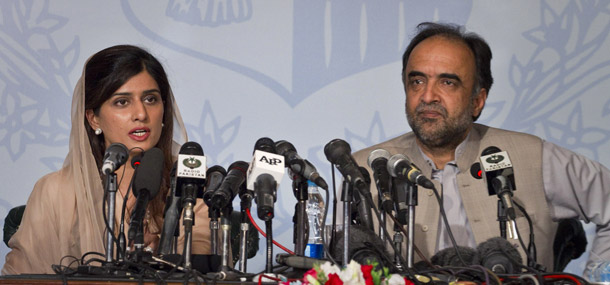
<point x="598" y="271"/>
<point x="315" y="212"/>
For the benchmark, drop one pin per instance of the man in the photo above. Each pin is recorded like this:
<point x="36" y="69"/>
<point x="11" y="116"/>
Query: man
<point x="447" y="78"/>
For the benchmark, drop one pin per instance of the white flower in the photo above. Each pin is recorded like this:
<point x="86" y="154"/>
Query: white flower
<point x="395" y="279"/>
<point x="352" y="274"/>
<point x="328" y="268"/>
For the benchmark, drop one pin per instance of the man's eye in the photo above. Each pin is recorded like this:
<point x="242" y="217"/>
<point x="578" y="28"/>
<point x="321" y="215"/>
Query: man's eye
<point x="416" y="81"/>
<point x="448" y="82"/>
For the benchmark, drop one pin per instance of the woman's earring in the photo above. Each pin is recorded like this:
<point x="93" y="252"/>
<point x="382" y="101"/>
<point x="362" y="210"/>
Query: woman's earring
<point x="162" y="125"/>
<point x="98" y="131"/>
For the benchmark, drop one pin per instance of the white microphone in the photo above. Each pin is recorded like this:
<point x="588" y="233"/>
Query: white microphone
<point x="264" y="176"/>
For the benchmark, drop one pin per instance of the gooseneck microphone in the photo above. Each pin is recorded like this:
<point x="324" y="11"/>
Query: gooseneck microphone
<point x="400" y="166"/>
<point x="299" y="165"/>
<point x="377" y="161"/>
<point x="146" y="185"/>
<point x="338" y="152"/>
<point x="115" y="156"/>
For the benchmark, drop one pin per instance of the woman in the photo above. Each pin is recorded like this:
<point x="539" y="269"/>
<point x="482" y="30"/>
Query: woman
<point x="123" y="97"/>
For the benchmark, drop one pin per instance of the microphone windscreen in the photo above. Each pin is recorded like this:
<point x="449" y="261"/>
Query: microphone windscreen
<point x="499" y="256"/>
<point x="449" y="256"/>
<point x="191" y="148"/>
<point x="364" y="247"/>
<point x="150" y="173"/>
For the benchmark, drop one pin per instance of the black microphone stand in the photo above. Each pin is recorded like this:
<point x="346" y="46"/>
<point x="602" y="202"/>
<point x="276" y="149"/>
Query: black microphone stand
<point x="225" y="225"/>
<point x="188" y="220"/>
<point x="397" y="241"/>
<point x="214" y="214"/>
<point x="383" y="217"/>
<point x="502" y="218"/>
<point x="411" y="203"/>
<point x="111" y="189"/>
<point x="299" y="187"/>
<point x="347" y="197"/>
<point x="245" y="204"/>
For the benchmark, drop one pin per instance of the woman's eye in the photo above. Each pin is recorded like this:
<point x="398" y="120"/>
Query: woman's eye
<point x="150" y="99"/>
<point x="120" y="102"/>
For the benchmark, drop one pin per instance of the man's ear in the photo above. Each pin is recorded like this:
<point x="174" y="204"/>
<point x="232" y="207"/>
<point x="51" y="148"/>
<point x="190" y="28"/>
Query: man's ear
<point x="479" y="102"/>
<point x="92" y="119"/>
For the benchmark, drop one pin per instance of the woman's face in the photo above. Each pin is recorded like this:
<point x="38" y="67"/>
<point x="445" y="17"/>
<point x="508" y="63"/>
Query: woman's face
<point x="133" y="115"/>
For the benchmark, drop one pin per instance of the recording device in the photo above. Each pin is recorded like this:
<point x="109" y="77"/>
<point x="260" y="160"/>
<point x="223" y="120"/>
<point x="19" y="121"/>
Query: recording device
<point x="400" y="166"/>
<point x="338" y="152"/>
<point x="499" y="256"/>
<point x="230" y="185"/>
<point x="146" y="185"/>
<point x="115" y="156"/>
<point x="214" y="177"/>
<point x="299" y="165"/>
<point x="264" y="175"/>
<point x="498" y="175"/>
<point x="377" y="161"/>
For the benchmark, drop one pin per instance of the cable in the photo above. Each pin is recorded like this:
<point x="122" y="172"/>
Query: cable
<point x="265" y="235"/>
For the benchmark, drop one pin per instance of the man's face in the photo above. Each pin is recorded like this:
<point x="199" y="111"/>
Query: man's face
<point x="439" y="82"/>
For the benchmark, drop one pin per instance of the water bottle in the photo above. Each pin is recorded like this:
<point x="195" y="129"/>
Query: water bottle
<point x="315" y="208"/>
<point x="598" y="271"/>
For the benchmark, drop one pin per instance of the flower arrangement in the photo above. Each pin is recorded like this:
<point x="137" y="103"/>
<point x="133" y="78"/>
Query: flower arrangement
<point x="353" y="274"/>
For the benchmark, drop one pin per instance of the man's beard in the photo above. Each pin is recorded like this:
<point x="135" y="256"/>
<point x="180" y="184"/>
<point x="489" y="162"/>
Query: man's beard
<point x="442" y="132"/>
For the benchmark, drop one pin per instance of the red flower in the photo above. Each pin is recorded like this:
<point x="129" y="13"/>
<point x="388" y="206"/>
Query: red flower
<point x="366" y="272"/>
<point x="408" y="282"/>
<point x="311" y="272"/>
<point x="333" y="279"/>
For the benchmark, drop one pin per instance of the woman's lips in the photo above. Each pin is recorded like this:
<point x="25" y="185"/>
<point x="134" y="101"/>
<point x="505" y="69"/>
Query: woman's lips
<point x="139" y="134"/>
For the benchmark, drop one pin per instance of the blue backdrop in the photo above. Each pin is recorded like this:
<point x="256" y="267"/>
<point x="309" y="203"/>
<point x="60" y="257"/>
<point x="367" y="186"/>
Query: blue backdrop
<point x="303" y="71"/>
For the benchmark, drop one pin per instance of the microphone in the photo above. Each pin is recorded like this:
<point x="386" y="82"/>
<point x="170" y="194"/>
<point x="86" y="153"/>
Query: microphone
<point x="146" y="185"/>
<point x="299" y="165"/>
<point x="338" y="152"/>
<point x="115" y="156"/>
<point x="377" y="161"/>
<point x="264" y="175"/>
<point x="228" y="188"/>
<point x="400" y="166"/>
<point x="498" y="174"/>
<point x="449" y="256"/>
<point x="171" y="215"/>
<point x="295" y="261"/>
<point x="363" y="205"/>
<point x="215" y="175"/>
<point x="190" y="172"/>
<point x="499" y="256"/>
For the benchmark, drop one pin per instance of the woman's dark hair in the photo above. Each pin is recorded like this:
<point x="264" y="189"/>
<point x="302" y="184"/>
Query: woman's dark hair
<point x="478" y="46"/>
<point x="106" y="72"/>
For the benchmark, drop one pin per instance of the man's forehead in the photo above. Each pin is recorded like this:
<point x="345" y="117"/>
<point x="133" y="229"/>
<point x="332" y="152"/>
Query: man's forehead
<point x="439" y="55"/>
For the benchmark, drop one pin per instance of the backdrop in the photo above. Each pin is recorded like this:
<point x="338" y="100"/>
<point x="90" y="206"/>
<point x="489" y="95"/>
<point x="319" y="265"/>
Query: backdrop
<point x="303" y="71"/>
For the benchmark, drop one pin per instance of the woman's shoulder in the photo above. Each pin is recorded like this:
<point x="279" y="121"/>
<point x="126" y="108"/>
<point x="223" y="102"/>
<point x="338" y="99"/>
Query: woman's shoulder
<point x="53" y="185"/>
